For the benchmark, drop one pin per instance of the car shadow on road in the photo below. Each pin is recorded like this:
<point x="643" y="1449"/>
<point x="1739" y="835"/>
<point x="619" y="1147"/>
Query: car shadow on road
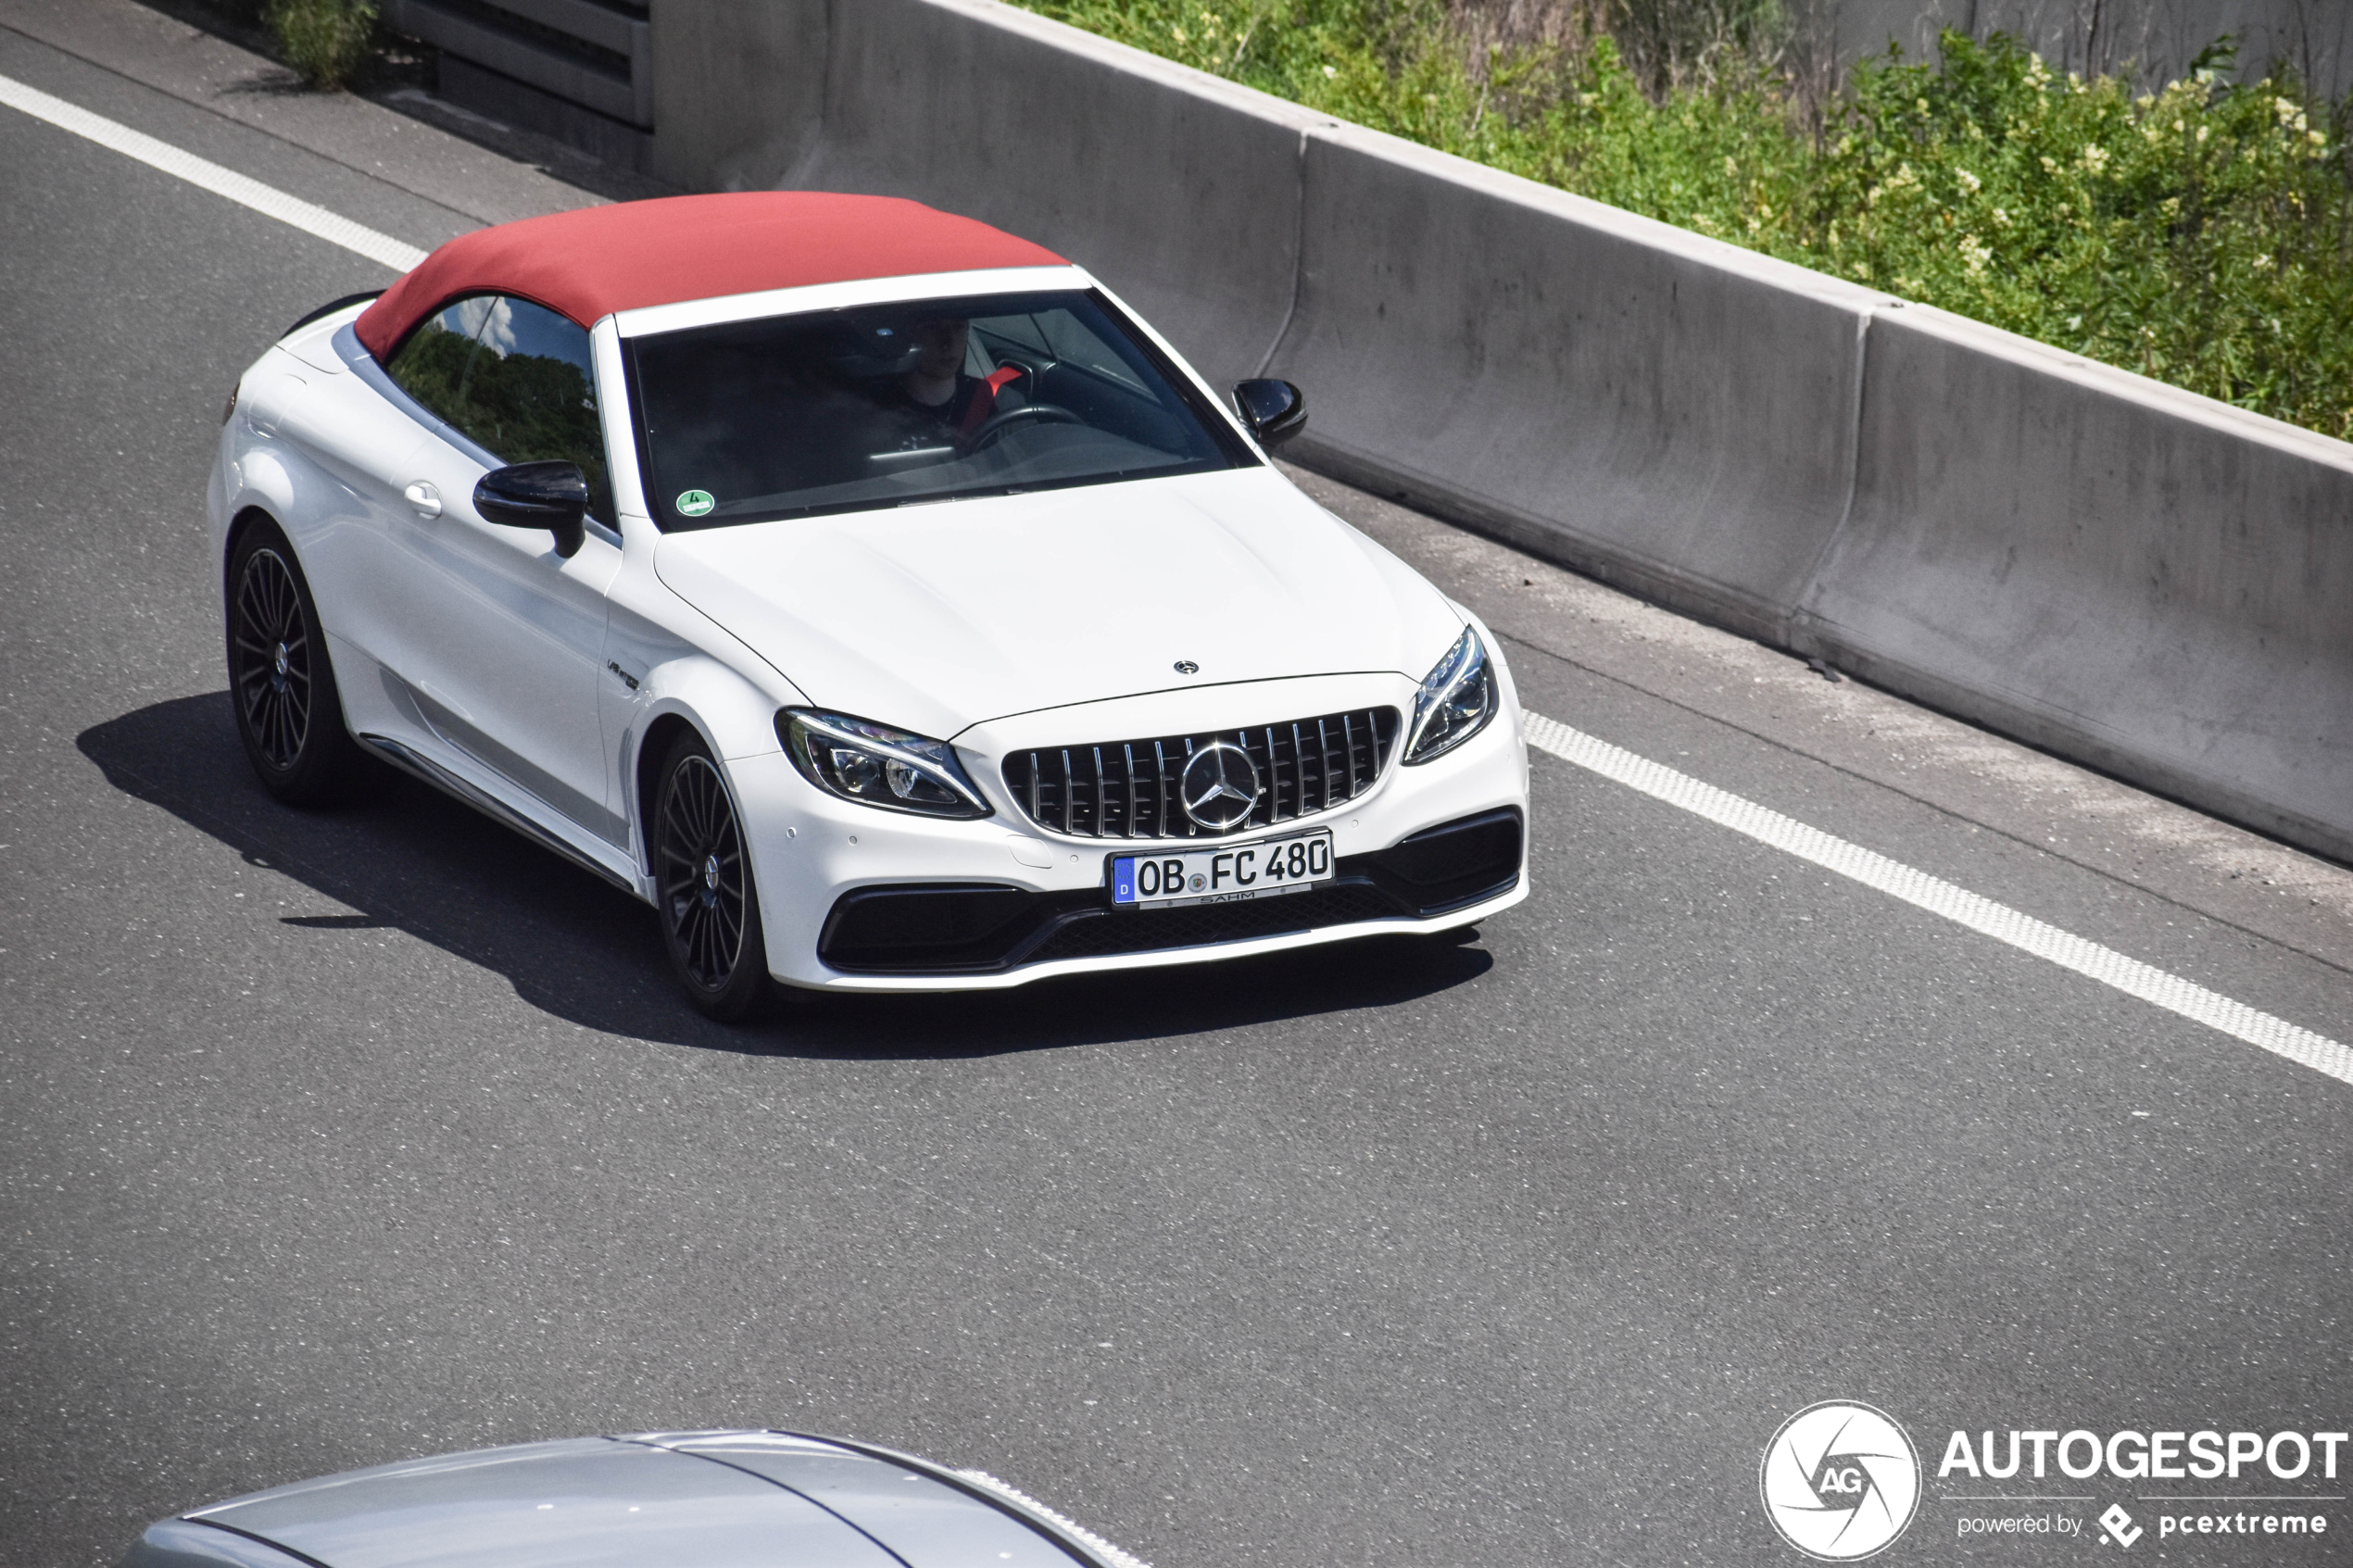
<point x="403" y="856"/>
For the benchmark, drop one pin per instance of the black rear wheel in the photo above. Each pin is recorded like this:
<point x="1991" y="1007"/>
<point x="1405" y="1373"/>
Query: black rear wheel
<point x="709" y="909"/>
<point x="280" y="681"/>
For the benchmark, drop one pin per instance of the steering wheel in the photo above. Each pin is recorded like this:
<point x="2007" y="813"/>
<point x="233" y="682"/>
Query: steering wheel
<point x="997" y="425"/>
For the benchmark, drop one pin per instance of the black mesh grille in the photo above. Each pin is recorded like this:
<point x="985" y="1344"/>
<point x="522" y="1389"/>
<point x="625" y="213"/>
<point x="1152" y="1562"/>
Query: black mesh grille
<point x="1195" y="925"/>
<point x="1128" y="789"/>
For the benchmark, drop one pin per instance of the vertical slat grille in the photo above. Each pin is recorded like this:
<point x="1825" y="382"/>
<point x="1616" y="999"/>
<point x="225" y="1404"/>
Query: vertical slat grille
<point x="1132" y="789"/>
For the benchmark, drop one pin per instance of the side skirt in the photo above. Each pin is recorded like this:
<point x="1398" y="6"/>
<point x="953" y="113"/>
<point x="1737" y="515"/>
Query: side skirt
<point x="417" y="764"/>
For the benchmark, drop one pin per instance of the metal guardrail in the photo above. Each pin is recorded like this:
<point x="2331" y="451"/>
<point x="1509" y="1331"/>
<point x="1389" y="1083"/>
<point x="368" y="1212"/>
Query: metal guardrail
<point x="595" y="54"/>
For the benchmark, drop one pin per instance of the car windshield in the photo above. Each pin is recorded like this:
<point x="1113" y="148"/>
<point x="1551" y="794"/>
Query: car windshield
<point x="882" y="406"/>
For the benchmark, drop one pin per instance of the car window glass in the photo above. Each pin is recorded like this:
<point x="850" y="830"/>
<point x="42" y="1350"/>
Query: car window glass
<point x="516" y="379"/>
<point x="431" y="365"/>
<point x="1067" y="338"/>
<point x="1018" y="332"/>
<point x="887" y="405"/>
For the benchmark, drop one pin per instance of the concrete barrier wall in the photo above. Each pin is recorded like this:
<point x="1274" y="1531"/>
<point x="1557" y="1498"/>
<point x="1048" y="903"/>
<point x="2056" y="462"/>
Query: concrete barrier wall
<point x="2158" y="37"/>
<point x="2124" y="573"/>
<point x="740" y="91"/>
<point x="2128" y="574"/>
<point x="1646" y="403"/>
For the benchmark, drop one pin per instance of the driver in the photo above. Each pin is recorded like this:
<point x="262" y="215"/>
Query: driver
<point x="942" y="388"/>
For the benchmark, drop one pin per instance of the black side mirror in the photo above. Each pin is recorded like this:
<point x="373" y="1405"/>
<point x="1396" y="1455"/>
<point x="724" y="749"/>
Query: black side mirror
<point x="549" y="495"/>
<point x="1272" y="410"/>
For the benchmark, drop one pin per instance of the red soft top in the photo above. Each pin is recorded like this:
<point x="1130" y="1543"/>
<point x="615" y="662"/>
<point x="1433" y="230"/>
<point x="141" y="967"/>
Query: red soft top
<point x="590" y="263"/>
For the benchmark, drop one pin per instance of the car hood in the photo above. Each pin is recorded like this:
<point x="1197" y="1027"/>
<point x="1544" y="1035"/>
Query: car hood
<point x="718" y="1499"/>
<point x="936" y="618"/>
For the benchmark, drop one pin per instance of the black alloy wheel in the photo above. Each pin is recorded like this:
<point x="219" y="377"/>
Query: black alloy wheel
<point x="273" y="662"/>
<point x="281" y="684"/>
<point x="709" y="909"/>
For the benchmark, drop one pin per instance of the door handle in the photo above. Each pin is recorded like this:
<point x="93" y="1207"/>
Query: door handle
<point x="424" y="498"/>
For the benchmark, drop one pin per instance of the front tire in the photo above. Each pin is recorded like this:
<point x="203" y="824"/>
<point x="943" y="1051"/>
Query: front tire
<point x="281" y="684"/>
<point x="708" y="907"/>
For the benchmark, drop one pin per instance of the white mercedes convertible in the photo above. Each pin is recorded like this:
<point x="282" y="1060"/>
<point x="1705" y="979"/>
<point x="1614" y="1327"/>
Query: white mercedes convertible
<point x="864" y="588"/>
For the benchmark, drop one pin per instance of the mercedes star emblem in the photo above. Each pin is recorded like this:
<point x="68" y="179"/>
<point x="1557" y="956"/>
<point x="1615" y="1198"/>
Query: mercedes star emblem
<point x="1219" y="786"/>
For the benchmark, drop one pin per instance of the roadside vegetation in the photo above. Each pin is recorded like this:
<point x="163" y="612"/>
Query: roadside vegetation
<point x="325" y="41"/>
<point x="2200" y="232"/>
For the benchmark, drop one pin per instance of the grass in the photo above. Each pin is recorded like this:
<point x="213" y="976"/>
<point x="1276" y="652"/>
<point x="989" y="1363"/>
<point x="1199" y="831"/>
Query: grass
<point x="325" y="41"/>
<point x="2200" y="233"/>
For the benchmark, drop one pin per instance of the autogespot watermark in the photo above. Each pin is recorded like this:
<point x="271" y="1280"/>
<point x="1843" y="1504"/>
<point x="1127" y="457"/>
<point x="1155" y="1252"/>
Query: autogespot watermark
<point x="2038" y="1523"/>
<point x="2024" y="1455"/>
<point x="1842" y="1481"/>
<point x="2156" y="1456"/>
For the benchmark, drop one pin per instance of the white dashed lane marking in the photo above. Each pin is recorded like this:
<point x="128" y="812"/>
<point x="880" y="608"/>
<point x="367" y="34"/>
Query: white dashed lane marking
<point x="1938" y="896"/>
<point x="265" y="199"/>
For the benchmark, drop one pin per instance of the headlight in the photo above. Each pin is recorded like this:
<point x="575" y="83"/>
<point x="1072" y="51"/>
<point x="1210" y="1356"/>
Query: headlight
<point x="875" y="765"/>
<point x="1455" y="701"/>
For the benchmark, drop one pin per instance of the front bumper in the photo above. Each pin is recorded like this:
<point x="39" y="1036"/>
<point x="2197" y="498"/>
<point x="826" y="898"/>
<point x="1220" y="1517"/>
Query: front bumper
<point x="857" y="900"/>
<point x="943" y="929"/>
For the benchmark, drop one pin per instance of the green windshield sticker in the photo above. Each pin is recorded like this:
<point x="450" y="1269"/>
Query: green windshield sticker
<point x="695" y="503"/>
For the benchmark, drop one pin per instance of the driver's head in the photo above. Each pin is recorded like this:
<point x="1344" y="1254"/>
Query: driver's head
<point x="941" y="343"/>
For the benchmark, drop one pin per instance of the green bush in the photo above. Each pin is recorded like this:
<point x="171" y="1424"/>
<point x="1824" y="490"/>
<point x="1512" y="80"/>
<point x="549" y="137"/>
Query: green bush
<point x="325" y="42"/>
<point x="2202" y="233"/>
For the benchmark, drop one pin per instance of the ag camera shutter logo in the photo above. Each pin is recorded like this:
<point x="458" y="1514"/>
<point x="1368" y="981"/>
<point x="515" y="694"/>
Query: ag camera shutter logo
<point x="1840" y="1481"/>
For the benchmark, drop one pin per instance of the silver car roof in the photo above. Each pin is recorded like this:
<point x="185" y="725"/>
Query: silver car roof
<point x="715" y="1499"/>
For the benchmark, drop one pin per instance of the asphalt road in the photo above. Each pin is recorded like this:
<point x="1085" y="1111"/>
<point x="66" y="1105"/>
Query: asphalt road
<point x="332" y="1138"/>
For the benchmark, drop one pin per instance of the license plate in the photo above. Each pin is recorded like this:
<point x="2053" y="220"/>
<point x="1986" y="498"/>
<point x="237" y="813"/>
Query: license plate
<point x="1224" y="876"/>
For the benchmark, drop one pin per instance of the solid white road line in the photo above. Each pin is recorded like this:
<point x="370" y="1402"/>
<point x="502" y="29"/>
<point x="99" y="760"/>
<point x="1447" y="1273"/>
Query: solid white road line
<point x="1941" y="897"/>
<point x="264" y="199"/>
